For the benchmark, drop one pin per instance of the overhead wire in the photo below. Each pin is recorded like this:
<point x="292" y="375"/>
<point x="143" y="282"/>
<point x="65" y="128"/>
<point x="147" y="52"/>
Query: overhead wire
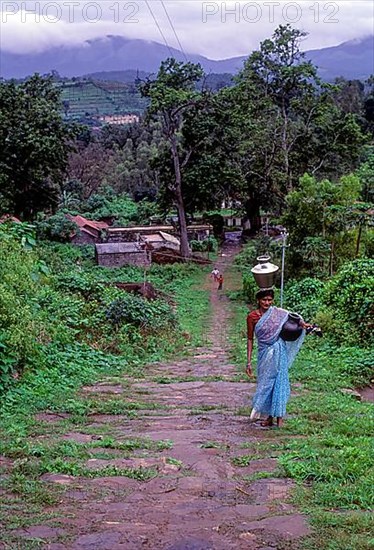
<point x="174" y="31"/>
<point x="159" y="28"/>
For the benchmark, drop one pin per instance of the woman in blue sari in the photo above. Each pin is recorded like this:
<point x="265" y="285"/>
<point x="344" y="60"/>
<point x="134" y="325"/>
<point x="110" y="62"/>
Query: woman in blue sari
<point x="275" y="356"/>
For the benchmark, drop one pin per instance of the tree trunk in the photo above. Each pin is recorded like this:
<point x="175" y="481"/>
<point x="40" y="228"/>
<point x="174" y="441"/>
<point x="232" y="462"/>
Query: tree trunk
<point x="179" y="203"/>
<point x="358" y="242"/>
<point x="252" y="208"/>
<point x="332" y="258"/>
<point x="285" y="148"/>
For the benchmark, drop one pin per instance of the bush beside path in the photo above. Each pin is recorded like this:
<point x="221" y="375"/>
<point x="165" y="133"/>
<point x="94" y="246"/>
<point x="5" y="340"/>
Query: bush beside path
<point x="165" y="458"/>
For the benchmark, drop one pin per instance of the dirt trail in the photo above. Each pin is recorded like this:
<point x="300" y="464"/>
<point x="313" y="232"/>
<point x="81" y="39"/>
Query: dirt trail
<point x="202" y="496"/>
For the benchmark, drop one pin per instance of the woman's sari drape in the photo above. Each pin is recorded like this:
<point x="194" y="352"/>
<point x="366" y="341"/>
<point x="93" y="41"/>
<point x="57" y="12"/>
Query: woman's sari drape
<point x="275" y="356"/>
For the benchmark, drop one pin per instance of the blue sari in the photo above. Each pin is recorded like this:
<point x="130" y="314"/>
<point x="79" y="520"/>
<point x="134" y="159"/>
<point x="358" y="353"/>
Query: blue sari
<point x="275" y="357"/>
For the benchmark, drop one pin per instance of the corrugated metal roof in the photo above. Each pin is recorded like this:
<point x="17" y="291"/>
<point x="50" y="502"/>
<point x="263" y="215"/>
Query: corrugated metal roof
<point x="139" y="228"/>
<point x="169" y="238"/>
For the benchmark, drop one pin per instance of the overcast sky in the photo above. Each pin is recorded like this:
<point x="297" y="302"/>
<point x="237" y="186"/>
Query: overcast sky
<point x="215" y="29"/>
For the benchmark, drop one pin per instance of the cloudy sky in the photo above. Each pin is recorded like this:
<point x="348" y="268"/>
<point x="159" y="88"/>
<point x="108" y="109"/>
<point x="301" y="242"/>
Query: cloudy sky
<point x="217" y="30"/>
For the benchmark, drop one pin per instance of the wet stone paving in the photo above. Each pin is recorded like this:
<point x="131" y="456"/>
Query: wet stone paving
<point x="199" y="494"/>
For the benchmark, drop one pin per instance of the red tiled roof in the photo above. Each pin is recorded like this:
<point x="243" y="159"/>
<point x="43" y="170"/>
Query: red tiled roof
<point x="84" y="222"/>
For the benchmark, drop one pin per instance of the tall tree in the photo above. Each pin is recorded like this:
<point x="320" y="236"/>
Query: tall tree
<point x="172" y="96"/>
<point x="34" y="145"/>
<point x="289" y="123"/>
<point x="89" y="165"/>
<point x="212" y="172"/>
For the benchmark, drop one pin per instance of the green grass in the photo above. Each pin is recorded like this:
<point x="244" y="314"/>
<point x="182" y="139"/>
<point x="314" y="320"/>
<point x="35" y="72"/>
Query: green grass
<point x="243" y="460"/>
<point x="261" y="475"/>
<point x="34" y="444"/>
<point x="326" y="445"/>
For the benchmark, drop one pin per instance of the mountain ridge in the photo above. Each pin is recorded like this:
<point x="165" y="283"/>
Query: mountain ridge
<point x="351" y="59"/>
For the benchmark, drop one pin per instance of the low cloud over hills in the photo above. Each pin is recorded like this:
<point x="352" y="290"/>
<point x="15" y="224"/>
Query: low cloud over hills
<point x="352" y="60"/>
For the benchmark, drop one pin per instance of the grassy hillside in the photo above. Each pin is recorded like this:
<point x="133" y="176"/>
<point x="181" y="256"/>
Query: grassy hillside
<point x="113" y="93"/>
<point x="88" y="99"/>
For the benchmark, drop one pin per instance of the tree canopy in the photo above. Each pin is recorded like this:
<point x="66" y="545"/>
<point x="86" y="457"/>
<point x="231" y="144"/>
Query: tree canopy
<point x="34" y="145"/>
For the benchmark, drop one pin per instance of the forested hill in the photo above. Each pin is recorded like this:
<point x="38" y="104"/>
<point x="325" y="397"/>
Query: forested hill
<point x="352" y="60"/>
<point x="214" y="81"/>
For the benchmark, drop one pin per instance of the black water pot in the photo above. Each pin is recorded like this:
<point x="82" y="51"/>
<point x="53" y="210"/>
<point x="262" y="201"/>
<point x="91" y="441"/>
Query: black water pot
<point x="291" y="329"/>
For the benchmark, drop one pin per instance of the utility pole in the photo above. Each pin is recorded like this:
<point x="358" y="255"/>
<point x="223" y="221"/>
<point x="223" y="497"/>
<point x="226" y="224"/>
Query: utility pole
<point x="284" y="241"/>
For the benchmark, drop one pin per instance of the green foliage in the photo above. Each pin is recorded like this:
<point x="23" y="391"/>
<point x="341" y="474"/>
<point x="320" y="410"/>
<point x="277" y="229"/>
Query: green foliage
<point x="339" y="470"/>
<point x="173" y="101"/>
<point x="174" y="85"/>
<point x="288" y="124"/>
<point x="249" y="288"/>
<point x="65" y="314"/>
<point x="351" y="296"/>
<point x="63" y="258"/>
<point x="135" y="310"/>
<point x="7" y="367"/>
<point x="325" y="222"/>
<point x="57" y="227"/>
<point x="304" y="297"/>
<point x="83" y="99"/>
<point x="75" y="302"/>
<point x="20" y="325"/>
<point x="23" y="233"/>
<point x="82" y="282"/>
<point x="207" y="245"/>
<point x="334" y="456"/>
<point x="259" y="246"/>
<point x="356" y="365"/>
<point x="106" y="204"/>
<point x="365" y="173"/>
<point x="33" y="146"/>
<point x="316" y="252"/>
<point x="369" y="244"/>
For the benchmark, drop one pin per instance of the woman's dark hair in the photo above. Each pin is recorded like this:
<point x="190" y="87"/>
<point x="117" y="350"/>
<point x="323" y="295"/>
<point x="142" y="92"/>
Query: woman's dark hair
<point x="264" y="292"/>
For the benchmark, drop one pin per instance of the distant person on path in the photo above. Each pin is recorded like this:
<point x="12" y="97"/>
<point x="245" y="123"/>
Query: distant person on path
<point x="214" y="274"/>
<point x="220" y="281"/>
<point x="275" y="357"/>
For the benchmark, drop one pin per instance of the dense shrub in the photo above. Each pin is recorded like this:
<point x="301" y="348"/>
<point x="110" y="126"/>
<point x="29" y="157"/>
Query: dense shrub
<point x="207" y="245"/>
<point x="80" y="282"/>
<point x="7" y="366"/>
<point x="356" y="365"/>
<point x="369" y="244"/>
<point x="135" y="310"/>
<point x="350" y="294"/>
<point x="66" y="257"/>
<point x="304" y="297"/>
<point x="249" y="288"/>
<point x="121" y="208"/>
<point x="56" y="228"/>
<point x="260" y="246"/>
<point x="64" y="313"/>
<point x="22" y="233"/>
<point x="20" y="325"/>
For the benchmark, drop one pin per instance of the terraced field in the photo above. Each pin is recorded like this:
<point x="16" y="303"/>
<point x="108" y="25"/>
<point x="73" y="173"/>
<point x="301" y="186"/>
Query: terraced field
<point x="84" y="99"/>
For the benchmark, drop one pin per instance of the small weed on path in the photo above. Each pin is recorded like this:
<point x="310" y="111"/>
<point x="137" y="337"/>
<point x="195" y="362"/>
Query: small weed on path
<point x="160" y="449"/>
<point x="326" y="444"/>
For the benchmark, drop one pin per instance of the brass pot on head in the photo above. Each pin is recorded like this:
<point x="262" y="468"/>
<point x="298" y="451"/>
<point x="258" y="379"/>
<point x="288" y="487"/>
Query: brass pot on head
<point x="264" y="272"/>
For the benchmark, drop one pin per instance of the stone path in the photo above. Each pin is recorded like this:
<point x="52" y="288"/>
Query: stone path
<point x="202" y="463"/>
